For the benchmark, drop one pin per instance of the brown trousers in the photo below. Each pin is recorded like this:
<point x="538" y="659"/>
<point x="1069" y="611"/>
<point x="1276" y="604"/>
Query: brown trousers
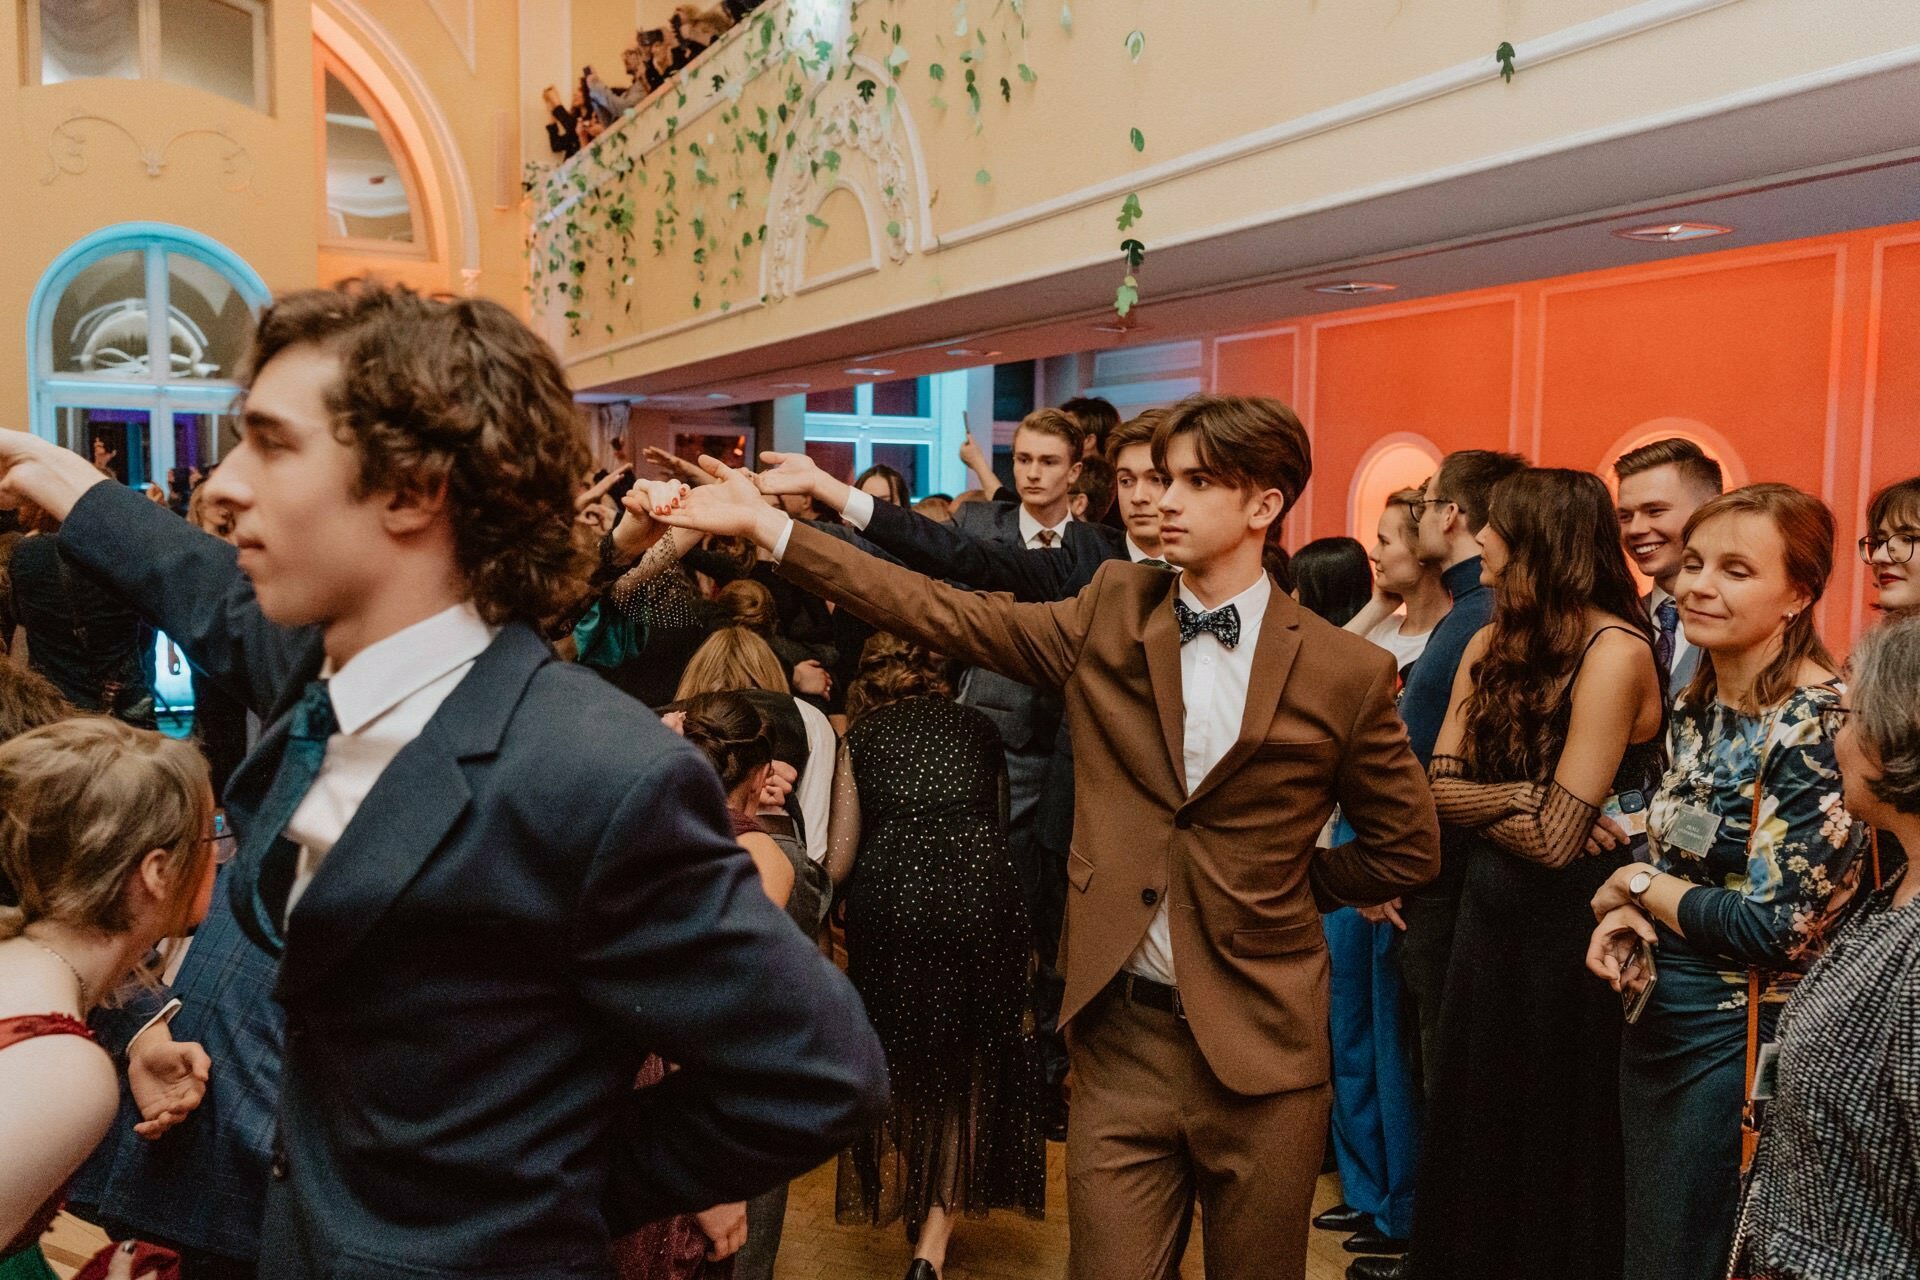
<point x="1152" y="1129"/>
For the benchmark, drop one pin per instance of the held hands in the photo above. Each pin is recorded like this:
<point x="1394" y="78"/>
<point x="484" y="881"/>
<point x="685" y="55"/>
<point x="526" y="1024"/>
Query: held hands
<point x="812" y="679"/>
<point x="168" y="1079"/>
<point x="730" y="507"/>
<point x="1614" y="940"/>
<point x="726" y="1226"/>
<point x="674" y="466"/>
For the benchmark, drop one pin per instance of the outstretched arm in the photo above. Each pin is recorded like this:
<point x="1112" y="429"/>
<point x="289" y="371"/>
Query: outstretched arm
<point x="1032" y="643"/>
<point x="184" y="580"/>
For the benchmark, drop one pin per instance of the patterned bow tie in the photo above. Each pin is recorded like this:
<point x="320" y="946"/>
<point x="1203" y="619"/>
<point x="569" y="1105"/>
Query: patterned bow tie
<point x="1224" y="622"/>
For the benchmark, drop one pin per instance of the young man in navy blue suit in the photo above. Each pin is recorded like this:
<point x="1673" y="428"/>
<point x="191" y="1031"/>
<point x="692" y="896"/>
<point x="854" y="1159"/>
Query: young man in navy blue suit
<point x="486" y="916"/>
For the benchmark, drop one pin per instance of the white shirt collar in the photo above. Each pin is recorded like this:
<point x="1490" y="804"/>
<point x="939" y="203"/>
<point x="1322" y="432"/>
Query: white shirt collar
<point x="1135" y="554"/>
<point x="1251" y="603"/>
<point x="388" y="672"/>
<point x="1655" y="596"/>
<point x="1030" y="528"/>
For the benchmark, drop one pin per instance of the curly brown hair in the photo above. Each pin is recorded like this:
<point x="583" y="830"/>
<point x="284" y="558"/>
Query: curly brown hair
<point x="455" y="395"/>
<point x="1563" y="558"/>
<point x="893" y="669"/>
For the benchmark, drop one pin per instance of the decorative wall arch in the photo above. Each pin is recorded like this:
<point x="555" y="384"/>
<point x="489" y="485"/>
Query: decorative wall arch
<point x="1400" y="460"/>
<point x="878" y="158"/>
<point x="1715" y="445"/>
<point x="356" y="39"/>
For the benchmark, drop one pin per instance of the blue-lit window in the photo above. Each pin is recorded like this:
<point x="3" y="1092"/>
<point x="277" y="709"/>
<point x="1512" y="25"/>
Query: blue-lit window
<point x="913" y="425"/>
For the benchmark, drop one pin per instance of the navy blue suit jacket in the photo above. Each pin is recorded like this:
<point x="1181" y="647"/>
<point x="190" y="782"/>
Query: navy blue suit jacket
<point x="542" y="888"/>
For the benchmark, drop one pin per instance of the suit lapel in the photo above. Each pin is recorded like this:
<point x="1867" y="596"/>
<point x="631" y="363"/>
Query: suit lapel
<point x="1278" y="644"/>
<point x="1161" y="639"/>
<point x="405" y="818"/>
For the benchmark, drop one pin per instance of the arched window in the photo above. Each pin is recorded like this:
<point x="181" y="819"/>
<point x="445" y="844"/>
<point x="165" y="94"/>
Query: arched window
<point x="370" y="193"/>
<point x="136" y="335"/>
<point x="1399" y="461"/>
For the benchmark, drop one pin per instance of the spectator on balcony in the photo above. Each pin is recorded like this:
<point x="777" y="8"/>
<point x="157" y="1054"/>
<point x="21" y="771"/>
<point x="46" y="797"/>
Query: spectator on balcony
<point x="562" y="134"/>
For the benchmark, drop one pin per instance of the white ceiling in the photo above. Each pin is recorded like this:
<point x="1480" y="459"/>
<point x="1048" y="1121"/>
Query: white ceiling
<point x="1833" y="158"/>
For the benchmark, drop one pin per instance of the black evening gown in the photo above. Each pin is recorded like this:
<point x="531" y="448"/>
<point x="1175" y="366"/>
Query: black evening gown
<point x="939" y="947"/>
<point x="1521" y="1169"/>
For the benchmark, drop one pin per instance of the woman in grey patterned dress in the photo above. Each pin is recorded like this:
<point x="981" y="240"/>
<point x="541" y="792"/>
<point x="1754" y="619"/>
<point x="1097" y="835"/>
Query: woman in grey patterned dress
<point x="1836" y="1183"/>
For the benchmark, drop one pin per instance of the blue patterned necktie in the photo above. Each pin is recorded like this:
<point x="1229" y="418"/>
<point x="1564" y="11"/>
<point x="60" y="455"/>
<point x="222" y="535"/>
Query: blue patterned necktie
<point x="1667" y="614"/>
<point x="273" y="858"/>
<point x="1224" y="622"/>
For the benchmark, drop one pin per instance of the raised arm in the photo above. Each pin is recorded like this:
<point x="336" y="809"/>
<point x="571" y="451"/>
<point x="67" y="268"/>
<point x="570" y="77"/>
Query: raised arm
<point x="185" y="581"/>
<point x="1035" y="644"/>
<point x="1383" y="796"/>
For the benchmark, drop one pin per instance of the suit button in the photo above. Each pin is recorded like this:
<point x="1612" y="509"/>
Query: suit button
<point x="1182" y="821"/>
<point x="1149" y="896"/>
<point x="279" y="1168"/>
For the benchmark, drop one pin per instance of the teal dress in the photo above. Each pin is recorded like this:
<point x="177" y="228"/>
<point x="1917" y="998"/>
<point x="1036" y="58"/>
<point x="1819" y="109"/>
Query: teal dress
<point x="1683" y="1064"/>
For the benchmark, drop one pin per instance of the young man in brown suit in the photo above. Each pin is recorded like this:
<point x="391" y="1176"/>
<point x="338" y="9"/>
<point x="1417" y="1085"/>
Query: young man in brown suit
<point x="1215" y="725"/>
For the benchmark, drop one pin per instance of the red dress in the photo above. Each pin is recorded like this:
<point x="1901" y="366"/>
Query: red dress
<point x="29" y="1026"/>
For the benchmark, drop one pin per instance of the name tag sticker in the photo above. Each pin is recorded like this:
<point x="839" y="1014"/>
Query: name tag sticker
<point x="1693" y="829"/>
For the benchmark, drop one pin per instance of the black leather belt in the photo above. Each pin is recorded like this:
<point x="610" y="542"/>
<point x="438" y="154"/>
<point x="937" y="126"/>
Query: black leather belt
<point x="1135" y="989"/>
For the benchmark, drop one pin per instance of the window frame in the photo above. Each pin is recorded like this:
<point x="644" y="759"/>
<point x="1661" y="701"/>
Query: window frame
<point x="162" y="395"/>
<point x="148" y="37"/>
<point x="939" y="431"/>
<point x="421" y="247"/>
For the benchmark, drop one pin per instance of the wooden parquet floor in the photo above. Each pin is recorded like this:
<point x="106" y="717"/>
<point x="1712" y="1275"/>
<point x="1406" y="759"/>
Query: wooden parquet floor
<point x="1006" y="1246"/>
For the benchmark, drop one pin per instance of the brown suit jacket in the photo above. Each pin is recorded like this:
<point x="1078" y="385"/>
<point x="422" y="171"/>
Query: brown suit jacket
<point x="1237" y="859"/>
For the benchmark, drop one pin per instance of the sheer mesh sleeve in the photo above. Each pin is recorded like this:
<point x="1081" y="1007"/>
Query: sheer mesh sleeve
<point x="843" y="827"/>
<point x="657" y="587"/>
<point x="1467" y="803"/>
<point x="1554" y="835"/>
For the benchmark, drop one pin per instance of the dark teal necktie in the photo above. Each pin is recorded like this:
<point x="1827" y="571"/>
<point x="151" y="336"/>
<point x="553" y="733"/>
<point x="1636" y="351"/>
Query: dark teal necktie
<point x="272" y="859"/>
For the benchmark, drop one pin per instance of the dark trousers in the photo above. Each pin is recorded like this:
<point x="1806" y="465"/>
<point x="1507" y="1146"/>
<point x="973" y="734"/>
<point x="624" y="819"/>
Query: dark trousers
<point x="1425" y="949"/>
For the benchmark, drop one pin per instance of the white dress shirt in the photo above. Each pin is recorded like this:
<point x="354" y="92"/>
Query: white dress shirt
<point x="1135" y="554"/>
<point x="382" y="698"/>
<point x="1031" y="529"/>
<point x="814" y="789"/>
<point x="1213" y="691"/>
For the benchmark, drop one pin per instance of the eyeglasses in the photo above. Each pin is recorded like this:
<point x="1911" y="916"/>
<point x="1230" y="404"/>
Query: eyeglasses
<point x="1419" y="506"/>
<point x="1831" y="720"/>
<point x="223" y="841"/>
<point x="1898" y="546"/>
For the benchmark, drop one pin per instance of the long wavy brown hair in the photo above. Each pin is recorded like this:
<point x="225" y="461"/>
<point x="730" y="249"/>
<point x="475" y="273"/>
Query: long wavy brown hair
<point x="893" y="669"/>
<point x="1563" y="559"/>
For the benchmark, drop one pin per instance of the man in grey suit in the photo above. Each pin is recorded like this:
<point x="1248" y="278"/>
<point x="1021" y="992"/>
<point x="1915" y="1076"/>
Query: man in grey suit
<point x="1661" y="485"/>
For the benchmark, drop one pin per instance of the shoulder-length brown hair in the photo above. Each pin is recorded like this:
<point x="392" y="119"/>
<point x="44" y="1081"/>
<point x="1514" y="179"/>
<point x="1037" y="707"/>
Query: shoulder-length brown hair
<point x="454" y="394"/>
<point x="731" y="659"/>
<point x="1807" y="529"/>
<point x="1563" y="559"/>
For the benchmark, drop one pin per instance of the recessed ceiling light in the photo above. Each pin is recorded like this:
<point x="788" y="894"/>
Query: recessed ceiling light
<point x="1349" y="288"/>
<point x="788" y="386"/>
<point x="972" y="351"/>
<point x="864" y="372"/>
<point x="1674" y="232"/>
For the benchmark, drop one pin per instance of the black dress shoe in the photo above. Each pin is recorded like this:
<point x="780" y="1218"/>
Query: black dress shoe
<point x="1342" y="1217"/>
<point x="1369" y="1239"/>
<point x="1379" y="1267"/>
<point x="921" y="1269"/>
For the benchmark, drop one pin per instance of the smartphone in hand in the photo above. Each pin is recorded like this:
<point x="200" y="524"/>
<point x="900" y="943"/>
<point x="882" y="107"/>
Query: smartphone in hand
<point x="1628" y="809"/>
<point x="1637" y="978"/>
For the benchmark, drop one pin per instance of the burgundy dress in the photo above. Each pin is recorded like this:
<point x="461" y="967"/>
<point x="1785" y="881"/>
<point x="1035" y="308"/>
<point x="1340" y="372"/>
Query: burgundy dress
<point x="30" y="1026"/>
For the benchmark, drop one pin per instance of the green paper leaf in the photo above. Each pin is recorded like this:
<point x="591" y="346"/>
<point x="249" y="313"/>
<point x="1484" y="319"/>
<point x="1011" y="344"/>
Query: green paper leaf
<point x="814" y="220"/>
<point x="893" y="230"/>
<point x="960" y="18"/>
<point x="1136" y="44"/>
<point x="983" y="177"/>
<point x="1006" y="89"/>
<point x="938" y="103"/>
<point x="1125" y="296"/>
<point x="897" y="59"/>
<point x="696" y="302"/>
<point x="866" y="89"/>
<point x="1136" y="253"/>
<point x="937" y="71"/>
<point x="1026" y="73"/>
<point x="1138" y="138"/>
<point x="1066" y="18"/>
<point x="1129" y="211"/>
<point x="1504" y="56"/>
<point x="831" y="159"/>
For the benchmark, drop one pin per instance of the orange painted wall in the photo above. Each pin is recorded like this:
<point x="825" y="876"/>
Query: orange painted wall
<point x="1797" y="362"/>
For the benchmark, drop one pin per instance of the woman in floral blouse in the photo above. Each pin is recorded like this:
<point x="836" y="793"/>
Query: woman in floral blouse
<point x="1718" y="898"/>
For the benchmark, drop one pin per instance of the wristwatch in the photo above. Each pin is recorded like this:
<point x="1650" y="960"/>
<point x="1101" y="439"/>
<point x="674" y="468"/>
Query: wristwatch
<point x="1640" y="883"/>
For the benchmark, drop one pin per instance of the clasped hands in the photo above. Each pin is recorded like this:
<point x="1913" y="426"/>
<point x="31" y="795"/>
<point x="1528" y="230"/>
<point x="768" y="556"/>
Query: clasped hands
<point x="735" y="502"/>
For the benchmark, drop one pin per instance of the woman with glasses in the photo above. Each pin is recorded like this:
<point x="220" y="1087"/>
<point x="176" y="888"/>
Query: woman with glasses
<point x="1893" y="532"/>
<point x="1836" y="1182"/>
<point x="1719" y="896"/>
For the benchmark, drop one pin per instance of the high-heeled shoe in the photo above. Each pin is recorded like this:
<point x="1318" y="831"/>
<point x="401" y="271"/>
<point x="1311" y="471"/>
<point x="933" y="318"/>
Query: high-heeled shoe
<point x="921" y="1269"/>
